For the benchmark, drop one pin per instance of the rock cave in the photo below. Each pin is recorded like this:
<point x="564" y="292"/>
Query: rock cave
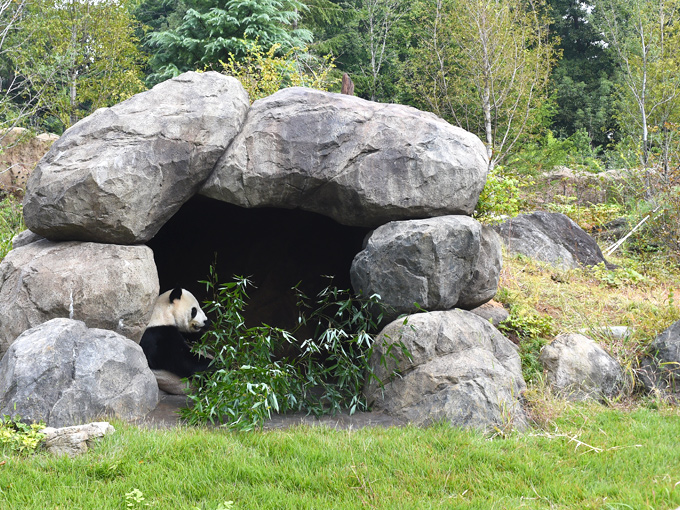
<point x="148" y="194"/>
<point x="274" y="248"/>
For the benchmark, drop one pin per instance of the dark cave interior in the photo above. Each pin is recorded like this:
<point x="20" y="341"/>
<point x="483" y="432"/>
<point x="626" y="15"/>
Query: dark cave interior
<point x="274" y="248"/>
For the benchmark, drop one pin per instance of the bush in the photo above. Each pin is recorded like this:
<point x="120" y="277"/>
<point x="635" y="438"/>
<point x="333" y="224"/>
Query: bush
<point x="253" y="372"/>
<point x="11" y="223"/>
<point x="264" y="72"/>
<point x="531" y="331"/>
<point x="500" y="197"/>
<point x="19" y="437"/>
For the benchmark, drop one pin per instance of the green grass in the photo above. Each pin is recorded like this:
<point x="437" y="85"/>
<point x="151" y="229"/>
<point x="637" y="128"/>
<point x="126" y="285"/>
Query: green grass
<point x="589" y="458"/>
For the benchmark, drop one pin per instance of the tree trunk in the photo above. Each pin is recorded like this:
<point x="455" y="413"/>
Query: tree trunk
<point x="73" y="116"/>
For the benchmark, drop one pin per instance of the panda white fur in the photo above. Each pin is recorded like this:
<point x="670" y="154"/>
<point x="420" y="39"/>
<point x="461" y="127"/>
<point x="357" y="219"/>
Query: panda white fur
<point x="175" y="315"/>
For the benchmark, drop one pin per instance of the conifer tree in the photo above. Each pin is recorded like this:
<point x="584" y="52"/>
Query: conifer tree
<point x="212" y="30"/>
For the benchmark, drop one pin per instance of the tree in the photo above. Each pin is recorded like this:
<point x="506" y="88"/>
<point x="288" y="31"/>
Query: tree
<point x="82" y="53"/>
<point x="17" y="99"/>
<point x="584" y="80"/>
<point x="645" y="37"/>
<point x="378" y="18"/>
<point x="212" y="30"/>
<point x="485" y="65"/>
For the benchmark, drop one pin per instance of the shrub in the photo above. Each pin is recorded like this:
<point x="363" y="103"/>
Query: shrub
<point x="250" y="377"/>
<point x="531" y="331"/>
<point x="264" y="72"/>
<point x="500" y="197"/>
<point x="586" y="216"/>
<point x="20" y="437"/>
<point x="11" y="223"/>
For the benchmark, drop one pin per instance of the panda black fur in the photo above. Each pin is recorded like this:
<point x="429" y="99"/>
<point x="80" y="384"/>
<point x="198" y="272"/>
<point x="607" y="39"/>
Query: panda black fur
<point x="176" y="315"/>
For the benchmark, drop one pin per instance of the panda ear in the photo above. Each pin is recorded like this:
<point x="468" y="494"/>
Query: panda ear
<point x="176" y="294"/>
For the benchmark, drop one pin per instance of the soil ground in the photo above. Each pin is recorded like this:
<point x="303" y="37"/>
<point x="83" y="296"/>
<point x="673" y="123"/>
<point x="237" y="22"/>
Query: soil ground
<point x="166" y="415"/>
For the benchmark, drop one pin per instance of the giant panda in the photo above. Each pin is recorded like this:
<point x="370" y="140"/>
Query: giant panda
<point x="176" y="315"/>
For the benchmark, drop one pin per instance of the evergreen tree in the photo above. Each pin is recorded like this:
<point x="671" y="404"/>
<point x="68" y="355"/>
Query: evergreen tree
<point x="211" y="30"/>
<point x="584" y="80"/>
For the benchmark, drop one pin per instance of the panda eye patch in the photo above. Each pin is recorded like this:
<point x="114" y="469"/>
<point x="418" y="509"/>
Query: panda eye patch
<point x="194" y="311"/>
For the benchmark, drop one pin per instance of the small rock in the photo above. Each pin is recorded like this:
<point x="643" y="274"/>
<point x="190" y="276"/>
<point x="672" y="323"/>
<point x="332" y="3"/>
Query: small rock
<point x="551" y="238"/>
<point x="579" y="369"/>
<point x="493" y="311"/>
<point x="75" y="440"/>
<point x="660" y="369"/>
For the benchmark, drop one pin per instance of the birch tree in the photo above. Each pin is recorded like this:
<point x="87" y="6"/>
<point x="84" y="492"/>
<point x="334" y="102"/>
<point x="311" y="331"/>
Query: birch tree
<point x="83" y="54"/>
<point x="485" y="65"/>
<point x="379" y="20"/>
<point x="17" y="99"/>
<point x="645" y="37"/>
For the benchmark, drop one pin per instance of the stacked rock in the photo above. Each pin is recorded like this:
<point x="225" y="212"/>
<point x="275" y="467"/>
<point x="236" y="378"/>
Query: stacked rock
<point x="114" y="179"/>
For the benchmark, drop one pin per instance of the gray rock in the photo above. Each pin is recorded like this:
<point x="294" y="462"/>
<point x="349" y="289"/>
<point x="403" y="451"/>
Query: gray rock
<point x="358" y="162"/>
<point x="660" y="369"/>
<point x="118" y="175"/>
<point x="76" y="440"/>
<point x="483" y="285"/>
<point x="461" y="370"/>
<point x="579" y="369"/>
<point x="551" y="238"/>
<point x="429" y="262"/>
<point x="493" y="312"/>
<point x="65" y="374"/>
<point x="107" y="286"/>
<point x="25" y="237"/>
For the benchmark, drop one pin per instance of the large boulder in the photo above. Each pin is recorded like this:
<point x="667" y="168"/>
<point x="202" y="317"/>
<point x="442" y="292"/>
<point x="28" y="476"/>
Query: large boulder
<point x="577" y="368"/>
<point x="660" y="369"/>
<point x="107" y="286"/>
<point x="431" y="262"/>
<point x="483" y="284"/>
<point x="118" y="175"/>
<point x="358" y="162"/>
<point x="551" y="237"/>
<point x="461" y="370"/>
<point x="65" y="374"/>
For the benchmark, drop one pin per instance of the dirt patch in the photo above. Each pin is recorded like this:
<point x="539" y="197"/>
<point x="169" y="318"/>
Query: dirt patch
<point x="166" y="415"/>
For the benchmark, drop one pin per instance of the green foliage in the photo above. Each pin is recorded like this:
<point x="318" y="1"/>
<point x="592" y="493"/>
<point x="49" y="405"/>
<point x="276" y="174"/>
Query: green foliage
<point x="19" y="437"/>
<point x="264" y="72"/>
<point x="615" y="278"/>
<point x="587" y="216"/>
<point x="211" y="31"/>
<point x="531" y="331"/>
<point x="484" y="65"/>
<point x="501" y="196"/>
<point x="81" y="56"/>
<point x="11" y="222"/>
<point x="547" y="152"/>
<point x="659" y="236"/>
<point x="135" y="499"/>
<point x="320" y="367"/>
<point x="584" y="79"/>
<point x="225" y="505"/>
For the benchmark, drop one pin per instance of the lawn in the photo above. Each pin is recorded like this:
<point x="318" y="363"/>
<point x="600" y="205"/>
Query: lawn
<point x="587" y="457"/>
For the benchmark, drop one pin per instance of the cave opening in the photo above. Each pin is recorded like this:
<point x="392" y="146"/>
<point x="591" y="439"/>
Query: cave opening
<point x="275" y="248"/>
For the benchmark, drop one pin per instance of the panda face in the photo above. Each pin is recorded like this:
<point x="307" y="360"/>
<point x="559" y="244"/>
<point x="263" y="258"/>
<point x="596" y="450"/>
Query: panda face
<point x="179" y="308"/>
